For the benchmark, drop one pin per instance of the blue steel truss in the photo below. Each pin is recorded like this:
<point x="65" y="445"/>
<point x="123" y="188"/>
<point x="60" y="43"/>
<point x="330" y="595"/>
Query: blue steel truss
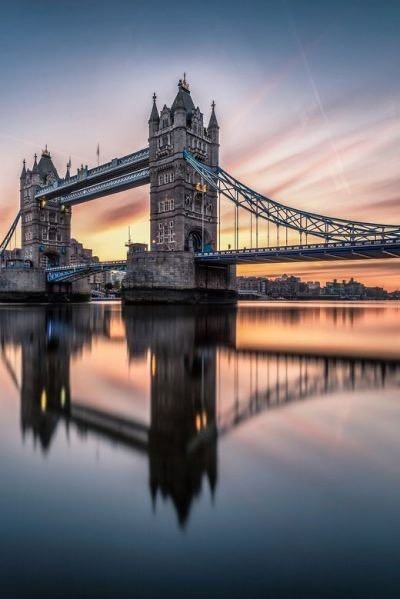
<point x="340" y="250"/>
<point x="308" y="223"/>
<point x="62" y="274"/>
<point x="9" y="234"/>
<point x="107" y="187"/>
<point x="107" y="169"/>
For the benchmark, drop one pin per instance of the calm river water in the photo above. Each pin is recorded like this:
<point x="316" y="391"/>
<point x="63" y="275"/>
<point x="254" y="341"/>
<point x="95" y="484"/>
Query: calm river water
<point x="175" y="452"/>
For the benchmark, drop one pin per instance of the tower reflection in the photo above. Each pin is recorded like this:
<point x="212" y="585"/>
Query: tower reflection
<point x="201" y="383"/>
<point x="183" y="346"/>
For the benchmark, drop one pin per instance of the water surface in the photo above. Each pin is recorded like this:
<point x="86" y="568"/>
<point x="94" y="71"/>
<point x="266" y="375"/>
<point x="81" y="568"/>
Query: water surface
<point x="200" y="453"/>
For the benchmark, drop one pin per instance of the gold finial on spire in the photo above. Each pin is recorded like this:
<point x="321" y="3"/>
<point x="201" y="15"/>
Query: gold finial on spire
<point x="183" y="83"/>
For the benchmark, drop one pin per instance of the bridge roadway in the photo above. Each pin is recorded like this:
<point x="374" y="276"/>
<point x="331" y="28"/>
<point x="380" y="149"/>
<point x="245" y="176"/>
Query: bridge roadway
<point x="344" y="250"/>
<point x="58" y="274"/>
<point x="361" y="250"/>
<point x="108" y="178"/>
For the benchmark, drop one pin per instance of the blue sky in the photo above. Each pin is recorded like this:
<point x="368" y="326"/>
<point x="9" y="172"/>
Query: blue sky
<point x="307" y="93"/>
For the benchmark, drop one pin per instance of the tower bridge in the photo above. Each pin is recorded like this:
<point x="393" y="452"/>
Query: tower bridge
<point x="186" y="261"/>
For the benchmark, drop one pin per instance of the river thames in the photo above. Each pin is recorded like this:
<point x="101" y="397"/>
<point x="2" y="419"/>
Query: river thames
<point x="182" y="452"/>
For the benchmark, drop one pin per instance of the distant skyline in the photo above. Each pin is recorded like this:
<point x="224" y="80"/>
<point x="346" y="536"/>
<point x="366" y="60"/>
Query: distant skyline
<point x="307" y="94"/>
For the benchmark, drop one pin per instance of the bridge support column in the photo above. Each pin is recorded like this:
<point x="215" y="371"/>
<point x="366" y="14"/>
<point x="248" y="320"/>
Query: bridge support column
<point x="165" y="277"/>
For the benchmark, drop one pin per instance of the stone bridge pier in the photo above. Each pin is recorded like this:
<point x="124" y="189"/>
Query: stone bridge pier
<point x="174" y="277"/>
<point x="183" y="213"/>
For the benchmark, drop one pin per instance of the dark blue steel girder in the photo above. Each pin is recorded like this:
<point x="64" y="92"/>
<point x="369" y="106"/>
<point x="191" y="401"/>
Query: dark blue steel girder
<point x="86" y="178"/>
<point x="63" y="274"/>
<point x="106" y="188"/>
<point x="314" y="252"/>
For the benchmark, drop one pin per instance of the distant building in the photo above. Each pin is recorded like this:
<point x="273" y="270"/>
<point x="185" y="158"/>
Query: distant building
<point x="80" y="254"/>
<point x="252" y="285"/>
<point x="290" y="287"/>
<point x="377" y="293"/>
<point x="313" y="288"/>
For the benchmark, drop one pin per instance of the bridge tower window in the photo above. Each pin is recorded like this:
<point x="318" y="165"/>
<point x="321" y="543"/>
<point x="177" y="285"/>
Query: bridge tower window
<point x="166" y="205"/>
<point x="166" y="233"/>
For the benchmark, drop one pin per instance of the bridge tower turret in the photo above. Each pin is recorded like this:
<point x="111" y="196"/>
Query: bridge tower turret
<point x="213" y="134"/>
<point x="154" y="122"/>
<point x="183" y="212"/>
<point x="46" y="226"/>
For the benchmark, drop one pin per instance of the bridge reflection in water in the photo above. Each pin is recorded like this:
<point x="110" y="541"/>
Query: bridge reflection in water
<point x="203" y="382"/>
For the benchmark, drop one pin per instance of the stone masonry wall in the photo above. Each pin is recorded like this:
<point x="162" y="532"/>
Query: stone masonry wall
<point x="169" y="270"/>
<point x="19" y="280"/>
<point x="19" y="285"/>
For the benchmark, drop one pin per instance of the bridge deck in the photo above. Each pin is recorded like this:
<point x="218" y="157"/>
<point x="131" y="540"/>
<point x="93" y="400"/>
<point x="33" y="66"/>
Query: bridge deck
<point x="303" y="253"/>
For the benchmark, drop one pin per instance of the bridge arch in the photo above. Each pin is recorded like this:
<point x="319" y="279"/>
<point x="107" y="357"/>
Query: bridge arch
<point x="195" y="239"/>
<point x="53" y="258"/>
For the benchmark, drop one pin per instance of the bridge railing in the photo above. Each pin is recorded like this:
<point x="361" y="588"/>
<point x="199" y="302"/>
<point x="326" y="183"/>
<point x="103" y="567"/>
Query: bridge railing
<point x="78" y="271"/>
<point x="87" y="265"/>
<point x="297" y="247"/>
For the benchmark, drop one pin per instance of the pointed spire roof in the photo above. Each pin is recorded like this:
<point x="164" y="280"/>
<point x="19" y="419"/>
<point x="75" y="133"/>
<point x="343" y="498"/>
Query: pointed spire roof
<point x="46" y="166"/>
<point x="154" y="116"/>
<point x="213" y="124"/>
<point x="35" y="168"/>
<point x="179" y="102"/>
<point x="183" y="98"/>
<point x="23" y="172"/>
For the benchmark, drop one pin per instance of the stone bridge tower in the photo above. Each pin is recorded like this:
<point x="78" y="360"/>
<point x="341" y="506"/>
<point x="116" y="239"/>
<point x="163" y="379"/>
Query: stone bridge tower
<point x="183" y="212"/>
<point x="46" y="226"/>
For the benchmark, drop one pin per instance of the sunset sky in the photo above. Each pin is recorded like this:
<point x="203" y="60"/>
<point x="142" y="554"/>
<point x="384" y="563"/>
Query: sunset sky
<point x="307" y="94"/>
